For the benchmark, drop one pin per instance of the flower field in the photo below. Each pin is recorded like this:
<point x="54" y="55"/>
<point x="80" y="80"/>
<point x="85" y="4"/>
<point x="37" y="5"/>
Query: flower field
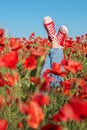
<point x="27" y="101"/>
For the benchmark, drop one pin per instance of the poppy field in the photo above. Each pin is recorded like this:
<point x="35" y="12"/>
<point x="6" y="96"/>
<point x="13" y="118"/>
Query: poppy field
<point x="27" y="101"/>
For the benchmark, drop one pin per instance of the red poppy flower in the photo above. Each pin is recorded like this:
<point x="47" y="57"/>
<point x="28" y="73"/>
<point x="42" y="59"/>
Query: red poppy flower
<point x="2" y="45"/>
<point x="31" y="36"/>
<point x="56" y="69"/>
<point x="78" y="39"/>
<point x="10" y="59"/>
<point x="56" y="66"/>
<point x="47" y="80"/>
<point x="3" y="124"/>
<point x="34" y="113"/>
<point x="1" y="32"/>
<point x="20" y="125"/>
<point x="66" y="86"/>
<point x="41" y="99"/>
<point x="10" y="80"/>
<point x="40" y="51"/>
<point x="81" y="82"/>
<point x="71" y="65"/>
<point x="2" y="101"/>
<point x="77" y="110"/>
<point x="2" y="64"/>
<point x="51" y="127"/>
<point x="66" y="113"/>
<point x="2" y="81"/>
<point x="15" y="43"/>
<point x="77" y="103"/>
<point x="30" y="63"/>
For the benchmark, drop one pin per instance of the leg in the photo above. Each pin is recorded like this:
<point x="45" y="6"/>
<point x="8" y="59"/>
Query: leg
<point x="56" y="55"/>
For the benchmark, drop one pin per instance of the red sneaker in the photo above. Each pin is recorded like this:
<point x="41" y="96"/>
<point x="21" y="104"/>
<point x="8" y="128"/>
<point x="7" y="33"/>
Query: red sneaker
<point x="62" y="34"/>
<point x="50" y="27"/>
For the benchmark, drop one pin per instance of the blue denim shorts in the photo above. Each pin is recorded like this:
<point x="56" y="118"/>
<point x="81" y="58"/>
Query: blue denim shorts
<point x="55" y="55"/>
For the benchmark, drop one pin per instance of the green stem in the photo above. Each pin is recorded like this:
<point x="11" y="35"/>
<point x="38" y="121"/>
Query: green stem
<point x="39" y="66"/>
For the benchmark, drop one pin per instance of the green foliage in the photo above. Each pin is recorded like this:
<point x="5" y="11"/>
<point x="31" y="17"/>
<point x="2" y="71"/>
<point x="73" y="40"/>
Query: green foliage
<point x="57" y="101"/>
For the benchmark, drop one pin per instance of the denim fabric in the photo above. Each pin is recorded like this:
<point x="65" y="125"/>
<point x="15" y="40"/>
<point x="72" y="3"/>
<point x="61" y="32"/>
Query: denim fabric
<point x="55" y="55"/>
